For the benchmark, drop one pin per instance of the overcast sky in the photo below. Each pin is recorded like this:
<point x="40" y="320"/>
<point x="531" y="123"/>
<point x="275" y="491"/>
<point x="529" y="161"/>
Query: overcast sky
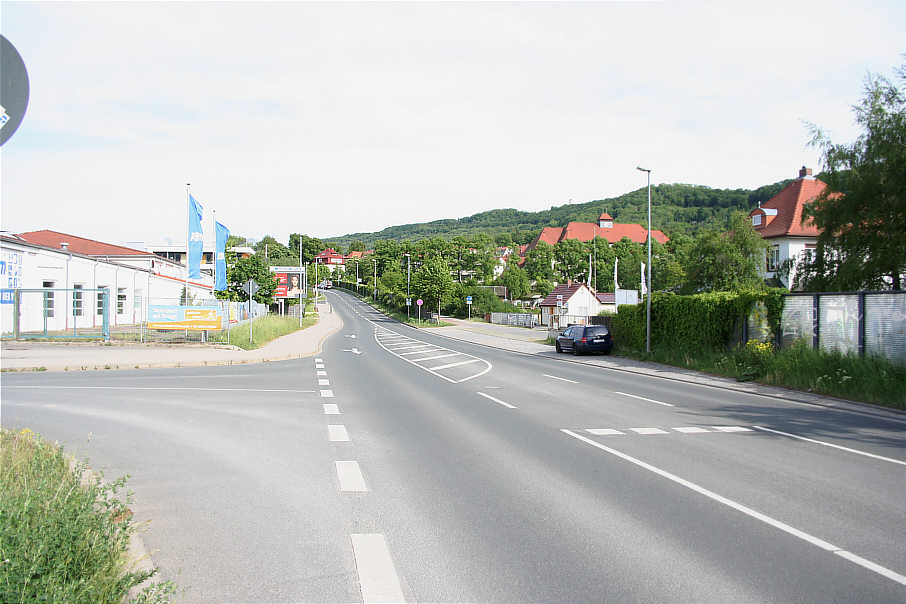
<point x="334" y="118"/>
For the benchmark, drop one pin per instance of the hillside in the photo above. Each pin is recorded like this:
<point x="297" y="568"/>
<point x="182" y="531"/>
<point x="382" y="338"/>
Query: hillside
<point x="675" y="208"/>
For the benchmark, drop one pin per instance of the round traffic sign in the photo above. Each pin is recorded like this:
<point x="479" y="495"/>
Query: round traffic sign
<point x="13" y="89"/>
<point x="419" y="302"/>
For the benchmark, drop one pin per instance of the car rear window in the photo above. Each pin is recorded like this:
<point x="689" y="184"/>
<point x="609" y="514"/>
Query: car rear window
<point x="597" y="330"/>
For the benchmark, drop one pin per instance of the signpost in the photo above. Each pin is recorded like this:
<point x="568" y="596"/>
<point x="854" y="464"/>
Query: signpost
<point x="419" y="302"/>
<point x="469" y="304"/>
<point x="251" y="288"/>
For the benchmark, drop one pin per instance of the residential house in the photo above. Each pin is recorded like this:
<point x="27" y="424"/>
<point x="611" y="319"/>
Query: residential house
<point x="779" y="221"/>
<point x="331" y="259"/>
<point x="569" y="303"/>
<point x="605" y="228"/>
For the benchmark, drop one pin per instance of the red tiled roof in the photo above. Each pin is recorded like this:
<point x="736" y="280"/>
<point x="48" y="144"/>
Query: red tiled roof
<point x="606" y="297"/>
<point x="79" y="245"/>
<point x="788" y="204"/>
<point x="564" y="290"/>
<point x="605" y="216"/>
<point x="586" y="231"/>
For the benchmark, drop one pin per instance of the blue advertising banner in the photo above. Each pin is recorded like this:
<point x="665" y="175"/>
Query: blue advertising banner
<point x="198" y="318"/>
<point x="196" y="239"/>
<point x="221" y="234"/>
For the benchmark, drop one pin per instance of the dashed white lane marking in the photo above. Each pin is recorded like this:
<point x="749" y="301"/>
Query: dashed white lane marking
<point x="820" y="442"/>
<point x="455" y="364"/>
<point x="337" y="433"/>
<point x="327" y="393"/>
<point x="692" y="430"/>
<point x="331" y="409"/>
<point x="317" y="360"/>
<point x="377" y="577"/>
<point x="350" y="476"/>
<point x="605" y="432"/>
<point x="554" y="377"/>
<point x="322" y="372"/>
<point x="731" y="429"/>
<point x="642" y="398"/>
<point x="649" y="431"/>
<point x="496" y="400"/>
<point x="323" y="382"/>
<point x="886" y="572"/>
<point x="319" y="366"/>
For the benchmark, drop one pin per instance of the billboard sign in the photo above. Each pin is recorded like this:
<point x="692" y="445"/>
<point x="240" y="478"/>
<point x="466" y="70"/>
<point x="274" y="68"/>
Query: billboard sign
<point x="289" y="281"/>
<point x="193" y="318"/>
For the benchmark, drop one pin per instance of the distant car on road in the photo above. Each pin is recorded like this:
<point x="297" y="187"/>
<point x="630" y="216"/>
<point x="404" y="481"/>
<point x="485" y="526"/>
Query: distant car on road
<point x="581" y="339"/>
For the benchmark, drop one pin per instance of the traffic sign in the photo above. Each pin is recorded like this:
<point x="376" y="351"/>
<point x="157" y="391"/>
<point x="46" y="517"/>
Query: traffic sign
<point x="419" y="302"/>
<point x="250" y="287"/>
<point x="408" y="301"/>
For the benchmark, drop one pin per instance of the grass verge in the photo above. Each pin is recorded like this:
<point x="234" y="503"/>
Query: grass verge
<point x="798" y="367"/>
<point x="64" y="534"/>
<point x="264" y="330"/>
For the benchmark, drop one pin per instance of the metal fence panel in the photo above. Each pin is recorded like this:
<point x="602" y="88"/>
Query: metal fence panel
<point x="885" y="326"/>
<point x="838" y="323"/>
<point x="515" y="319"/>
<point x="798" y="320"/>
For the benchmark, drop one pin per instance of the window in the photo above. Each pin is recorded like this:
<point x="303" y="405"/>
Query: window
<point x="77" y="300"/>
<point x="756" y="220"/>
<point x="48" y="299"/>
<point x="100" y="302"/>
<point x="810" y="251"/>
<point x="121" y="300"/>
<point x="773" y="258"/>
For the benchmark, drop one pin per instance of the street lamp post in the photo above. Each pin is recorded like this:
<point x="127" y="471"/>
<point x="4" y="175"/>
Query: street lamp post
<point x="374" y="290"/>
<point x="648" y="277"/>
<point x="408" y="280"/>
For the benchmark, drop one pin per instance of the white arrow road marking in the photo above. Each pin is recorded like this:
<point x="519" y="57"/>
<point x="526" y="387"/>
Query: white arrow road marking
<point x="352" y="350"/>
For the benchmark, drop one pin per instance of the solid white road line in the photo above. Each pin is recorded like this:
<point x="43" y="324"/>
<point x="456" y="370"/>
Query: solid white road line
<point x="496" y="400"/>
<point x="350" y="476"/>
<point x="156" y="388"/>
<point x="748" y="511"/>
<point x="331" y="409"/>
<point x="337" y="433"/>
<point x="642" y="398"/>
<point x="554" y="377"/>
<point x="377" y="577"/>
<point x="819" y="442"/>
<point x="455" y="364"/>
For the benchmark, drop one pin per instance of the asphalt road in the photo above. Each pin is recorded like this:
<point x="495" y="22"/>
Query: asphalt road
<point x="401" y="465"/>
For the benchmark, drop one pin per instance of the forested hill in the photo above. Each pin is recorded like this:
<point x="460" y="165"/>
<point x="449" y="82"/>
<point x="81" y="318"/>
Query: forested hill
<point x="675" y="208"/>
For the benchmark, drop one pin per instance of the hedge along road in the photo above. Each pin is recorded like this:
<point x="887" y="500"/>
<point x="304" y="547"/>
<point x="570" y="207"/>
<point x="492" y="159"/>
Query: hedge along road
<point x="355" y="475"/>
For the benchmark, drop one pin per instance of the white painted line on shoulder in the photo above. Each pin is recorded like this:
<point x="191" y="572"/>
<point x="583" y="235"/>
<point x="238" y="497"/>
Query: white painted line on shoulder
<point x="455" y="364"/>
<point x="394" y="348"/>
<point x="331" y="409"/>
<point x="327" y="393"/>
<point x="746" y="510"/>
<point x="692" y="430"/>
<point x="155" y="388"/>
<point x="649" y="431"/>
<point x="554" y="377"/>
<point x="496" y="400"/>
<point x="350" y="476"/>
<point x="337" y="433"/>
<point x="642" y="398"/>
<point x="842" y="448"/>
<point x="604" y="432"/>
<point x="405" y="354"/>
<point x="438" y="356"/>
<point x="377" y="577"/>
<point x="731" y="429"/>
<point x="323" y="382"/>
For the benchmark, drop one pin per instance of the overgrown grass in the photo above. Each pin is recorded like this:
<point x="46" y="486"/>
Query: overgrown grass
<point x="799" y="367"/>
<point x="264" y="330"/>
<point x="64" y="535"/>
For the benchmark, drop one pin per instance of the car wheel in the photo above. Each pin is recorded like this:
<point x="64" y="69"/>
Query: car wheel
<point x="557" y="346"/>
<point x="576" y="351"/>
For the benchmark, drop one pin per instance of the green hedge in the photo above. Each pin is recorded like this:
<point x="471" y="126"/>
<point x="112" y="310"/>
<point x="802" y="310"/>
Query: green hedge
<point x="697" y="321"/>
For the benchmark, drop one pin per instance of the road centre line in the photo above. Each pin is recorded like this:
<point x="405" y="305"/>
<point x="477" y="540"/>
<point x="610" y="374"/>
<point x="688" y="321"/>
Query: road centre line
<point x="554" y="377"/>
<point x="156" y="388"/>
<point x="377" y="577"/>
<point x="496" y="400"/>
<point x="826" y="444"/>
<point x="350" y="476"/>
<point x="455" y="364"/>
<point x="886" y="572"/>
<point x="642" y="398"/>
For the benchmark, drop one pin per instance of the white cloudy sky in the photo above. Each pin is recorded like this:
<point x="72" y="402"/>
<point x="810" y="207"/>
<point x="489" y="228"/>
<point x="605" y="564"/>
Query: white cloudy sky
<point x="333" y="118"/>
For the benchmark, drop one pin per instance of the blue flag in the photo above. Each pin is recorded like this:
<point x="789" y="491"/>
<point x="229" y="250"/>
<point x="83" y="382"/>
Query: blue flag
<point x="221" y="234"/>
<point x="196" y="239"/>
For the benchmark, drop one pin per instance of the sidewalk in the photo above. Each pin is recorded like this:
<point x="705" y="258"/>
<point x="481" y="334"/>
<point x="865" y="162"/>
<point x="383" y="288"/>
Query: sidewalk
<point x="74" y="356"/>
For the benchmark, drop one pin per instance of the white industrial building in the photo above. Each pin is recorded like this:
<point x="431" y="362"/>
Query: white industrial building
<point x="69" y="271"/>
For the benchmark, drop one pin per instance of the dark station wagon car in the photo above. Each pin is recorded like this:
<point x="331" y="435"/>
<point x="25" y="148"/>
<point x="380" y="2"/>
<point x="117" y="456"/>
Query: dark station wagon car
<point x="580" y="339"/>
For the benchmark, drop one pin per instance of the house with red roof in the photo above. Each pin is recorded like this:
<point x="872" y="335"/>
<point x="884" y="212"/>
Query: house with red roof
<point x="568" y="303"/>
<point x="779" y="221"/>
<point x="330" y="258"/>
<point x="605" y="228"/>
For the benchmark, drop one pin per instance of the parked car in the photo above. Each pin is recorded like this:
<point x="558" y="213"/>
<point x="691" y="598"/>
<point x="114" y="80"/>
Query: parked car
<point x="580" y="339"/>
